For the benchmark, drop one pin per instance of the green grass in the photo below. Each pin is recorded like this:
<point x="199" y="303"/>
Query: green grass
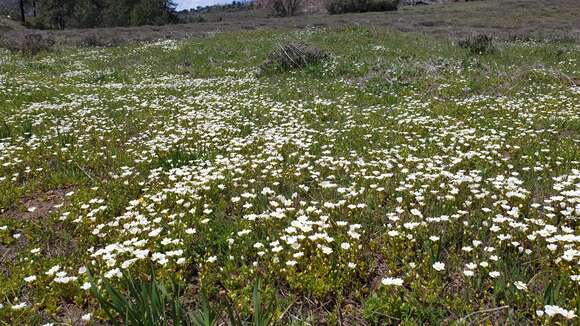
<point x="398" y="152"/>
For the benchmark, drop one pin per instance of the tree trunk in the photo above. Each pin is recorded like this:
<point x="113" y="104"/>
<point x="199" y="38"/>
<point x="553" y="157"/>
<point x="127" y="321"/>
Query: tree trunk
<point x="22" y="17"/>
<point x="33" y="8"/>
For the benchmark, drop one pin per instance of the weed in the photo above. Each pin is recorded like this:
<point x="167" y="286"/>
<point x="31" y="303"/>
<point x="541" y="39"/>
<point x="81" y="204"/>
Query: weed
<point x="479" y="44"/>
<point x="293" y="55"/>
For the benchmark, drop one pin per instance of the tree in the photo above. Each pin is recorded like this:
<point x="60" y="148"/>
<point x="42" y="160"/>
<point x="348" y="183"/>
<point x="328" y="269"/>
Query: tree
<point x="94" y="13"/>
<point x="86" y="14"/>
<point x="53" y="13"/>
<point x="22" y="16"/>
<point x="286" y="8"/>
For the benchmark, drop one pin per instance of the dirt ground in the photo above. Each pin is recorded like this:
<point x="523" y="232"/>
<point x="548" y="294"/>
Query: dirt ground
<point x="509" y="19"/>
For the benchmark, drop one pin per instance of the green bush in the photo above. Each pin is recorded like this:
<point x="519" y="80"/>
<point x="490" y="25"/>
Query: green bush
<point x="345" y="6"/>
<point x="478" y="44"/>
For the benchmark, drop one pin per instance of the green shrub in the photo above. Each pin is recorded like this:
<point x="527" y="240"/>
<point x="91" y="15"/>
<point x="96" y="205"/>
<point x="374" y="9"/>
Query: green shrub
<point x="478" y="44"/>
<point x="292" y="55"/>
<point x="31" y="44"/>
<point x="346" y="6"/>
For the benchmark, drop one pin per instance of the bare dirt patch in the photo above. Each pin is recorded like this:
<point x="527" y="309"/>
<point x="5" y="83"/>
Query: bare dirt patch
<point x="40" y="205"/>
<point x="36" y="208"/>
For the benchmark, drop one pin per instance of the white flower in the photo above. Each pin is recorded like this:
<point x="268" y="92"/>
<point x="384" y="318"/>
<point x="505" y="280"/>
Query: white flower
<point x="53" y="270"/>
<point x="521" y="285"/>
<point x="326" y="250"/>
<point x="345" y="245"/>
<point x="19" y="306"/>
<point x="494" y="274"/>
<point x="86" y="317"/>
<point x="439" y="266"/>
<point x="393" y="233"/>
<point x="416" y="212"/>
<point x="86" y="286"/>
<point x="30" y="278"/>
<point x="155" y="232"/>
<point x="392" y="281"/>
<point x="212" y="259"/>
<point x="552" y="310"/>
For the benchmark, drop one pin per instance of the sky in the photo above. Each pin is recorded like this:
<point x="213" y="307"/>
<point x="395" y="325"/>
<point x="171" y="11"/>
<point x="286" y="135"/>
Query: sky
<point x="188" y="4"/>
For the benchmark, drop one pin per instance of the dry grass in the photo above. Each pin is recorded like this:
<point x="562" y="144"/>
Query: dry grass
<point x="507" y="19"/>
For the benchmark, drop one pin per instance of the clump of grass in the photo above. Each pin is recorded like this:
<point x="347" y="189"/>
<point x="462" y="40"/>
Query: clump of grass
<point x="90" y="41"/>
<point x="5" y="131"/>
<point x="29" y="44"/>
<point x="293" y="55"/>
<point x="335" y="7"/>
<point x="33" y="44"/>
<point x="138" y="301"/>
<point x="478" y="44"/>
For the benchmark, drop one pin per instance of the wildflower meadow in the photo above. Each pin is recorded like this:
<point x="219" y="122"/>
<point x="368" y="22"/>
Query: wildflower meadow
<point x="402" y="180"/>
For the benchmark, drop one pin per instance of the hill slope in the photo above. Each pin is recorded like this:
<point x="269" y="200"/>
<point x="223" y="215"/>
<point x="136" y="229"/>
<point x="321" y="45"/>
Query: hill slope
<point x="502" y="18"/>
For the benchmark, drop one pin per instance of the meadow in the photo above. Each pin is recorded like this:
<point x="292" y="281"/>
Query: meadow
<point x="404" y="180"/>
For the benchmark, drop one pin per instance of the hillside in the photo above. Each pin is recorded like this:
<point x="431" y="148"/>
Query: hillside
<point x="555" y="19"/>
<point x="9" y="25"/>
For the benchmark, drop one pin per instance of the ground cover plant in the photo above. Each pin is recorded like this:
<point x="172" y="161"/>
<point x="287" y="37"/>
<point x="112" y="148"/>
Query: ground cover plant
<point x="403" y="180"/>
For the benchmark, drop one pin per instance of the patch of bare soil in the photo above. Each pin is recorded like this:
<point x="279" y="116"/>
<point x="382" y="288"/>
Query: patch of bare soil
<point x="36" y="208"/>
<point x="9" y="252"/>
<point x="379" y="272"/>
<point x="41" y="205"/>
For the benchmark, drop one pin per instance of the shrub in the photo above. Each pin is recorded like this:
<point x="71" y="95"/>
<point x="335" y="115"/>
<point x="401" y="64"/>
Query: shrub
<point x="346" y="6"/>
<point x="285" y="8"/>
<point x="478" y="44"/>
<point x="90" y="40"/>
<point x="292" y="56"/>
<point x="32" y="44"/>
<point x="28" y="44"/>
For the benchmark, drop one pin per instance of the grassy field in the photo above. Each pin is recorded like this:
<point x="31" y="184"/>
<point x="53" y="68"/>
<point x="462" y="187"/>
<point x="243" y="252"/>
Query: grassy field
<point x="405" y="180"/>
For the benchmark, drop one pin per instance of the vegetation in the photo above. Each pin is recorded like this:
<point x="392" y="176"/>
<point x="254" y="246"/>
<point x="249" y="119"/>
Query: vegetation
<point x="287" y="8"/>
<point x="478" y="44"/>
<point x="404" y="180"/>
<point x="292" y="55"/>
<point x="346" y="6"/>
<point x="61" y="14"/>
<point x="147" y="302"/>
